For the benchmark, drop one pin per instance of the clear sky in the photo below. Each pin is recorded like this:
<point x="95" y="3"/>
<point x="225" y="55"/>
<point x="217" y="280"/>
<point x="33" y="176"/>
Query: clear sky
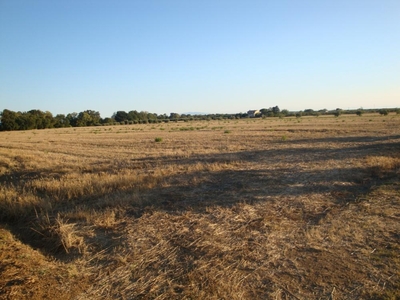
<point x="212" y="56"/>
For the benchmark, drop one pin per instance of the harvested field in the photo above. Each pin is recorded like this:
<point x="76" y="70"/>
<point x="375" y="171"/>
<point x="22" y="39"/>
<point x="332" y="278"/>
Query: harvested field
<point x="291" y="208"/>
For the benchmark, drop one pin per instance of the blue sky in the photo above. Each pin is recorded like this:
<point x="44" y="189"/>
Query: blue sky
<point x="198" y="56"/>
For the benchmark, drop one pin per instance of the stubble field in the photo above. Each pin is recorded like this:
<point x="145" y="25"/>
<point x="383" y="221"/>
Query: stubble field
<point x="272" y="208"/>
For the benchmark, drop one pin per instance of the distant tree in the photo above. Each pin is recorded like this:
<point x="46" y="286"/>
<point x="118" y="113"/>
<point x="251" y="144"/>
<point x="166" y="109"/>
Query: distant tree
<point x="133" y="115"/>
<point x="9" y="120"/>
<point x="359" y="112"/>
<point x="384" y="112"/>
<point x="285" y="112"/>
<point x="162" y="117"/>
<point x="25" y="121"/>
<point x="38" y="119"/>
<point x="107" y="121"/>
<point x="265" y="111"/>
<point x="338" y="112"/>
<point x="60" y="121"/>
<point x="276" y="110"/>
<point x="94" y="117"/>
<point x="309" y="112"/>
<point x="83" y="119"/>
<point x="323" y="111"/>
<point x="143" y="116"/>
<point x="88" y="118"/>
<point x="120" y="116"/>
<point x="174" y="116"/>
<point x="270" y="114"/>
<point x="48" y="120"/>
<point x="152" y="117"/>
<point x="72" y="118"/>
<point x="30" y="120"/>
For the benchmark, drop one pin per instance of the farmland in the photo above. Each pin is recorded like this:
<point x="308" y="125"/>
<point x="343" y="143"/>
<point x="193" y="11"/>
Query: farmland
<point x="275" y="208"/>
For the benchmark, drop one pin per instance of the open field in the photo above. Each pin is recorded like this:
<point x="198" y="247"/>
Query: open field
<point x="289" y="208"/>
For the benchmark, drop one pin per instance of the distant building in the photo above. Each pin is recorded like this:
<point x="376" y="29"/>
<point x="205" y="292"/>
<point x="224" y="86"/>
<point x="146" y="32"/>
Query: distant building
<point x="253" y="113"/>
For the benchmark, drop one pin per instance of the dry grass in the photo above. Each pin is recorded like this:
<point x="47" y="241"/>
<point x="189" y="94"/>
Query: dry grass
<point x="60" y="233"/>
<point x="242" y="209"/>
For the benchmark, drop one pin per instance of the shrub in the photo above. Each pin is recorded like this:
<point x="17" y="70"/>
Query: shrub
<point x="158" y="139"/>
<point x="384" y="112"/>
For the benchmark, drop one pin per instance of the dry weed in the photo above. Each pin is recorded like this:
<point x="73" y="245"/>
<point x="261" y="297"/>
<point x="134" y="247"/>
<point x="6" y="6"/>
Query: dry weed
<point x="61" y="234"/>
<point x="383" y="165"/>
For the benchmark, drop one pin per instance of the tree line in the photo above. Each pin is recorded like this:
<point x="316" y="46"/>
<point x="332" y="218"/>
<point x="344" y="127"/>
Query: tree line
<point x="37" y="119"/>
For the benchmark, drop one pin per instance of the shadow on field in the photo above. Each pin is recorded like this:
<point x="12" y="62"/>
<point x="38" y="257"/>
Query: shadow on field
<point x="348" y="139"/>
<point x="281" y="172"/>
<point x="368" y="145"/>
<point x="261" y="175"/>
<point x="226" y="188"/>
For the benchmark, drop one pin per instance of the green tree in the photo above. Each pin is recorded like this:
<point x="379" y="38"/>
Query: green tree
<point x="82" y="119"/>
<point x="60" y="121"/>
<point x="309" y="112"/>
<point x="174" y="116"/>
<point x="152" y="117"/>
<point x="338" y="112"/>
<point x="94" y="117"/>
<point x="162" y="117"/>
<point x="47" y="120"/>
<point x="133" y="115"/>
<point x="143" y="116"/>
<point x="285" y="112"/>
<point x="384" y="112"/>
<point x="8" y="120"/>
<point x="265" y="111"/>
<point x="72" y="118"/>
<point x="107" y="121"/>
<point x="276" y="110"/>
<point x="36" y="119"/>
<point x="121" y="116"/>
<point x="323" y="111"/>
<point x="25" y="121"/>
<point x="88" y="118"/>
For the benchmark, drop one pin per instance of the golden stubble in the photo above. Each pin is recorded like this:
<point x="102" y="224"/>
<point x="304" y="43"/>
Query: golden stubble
<point x="239" y="209"/>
